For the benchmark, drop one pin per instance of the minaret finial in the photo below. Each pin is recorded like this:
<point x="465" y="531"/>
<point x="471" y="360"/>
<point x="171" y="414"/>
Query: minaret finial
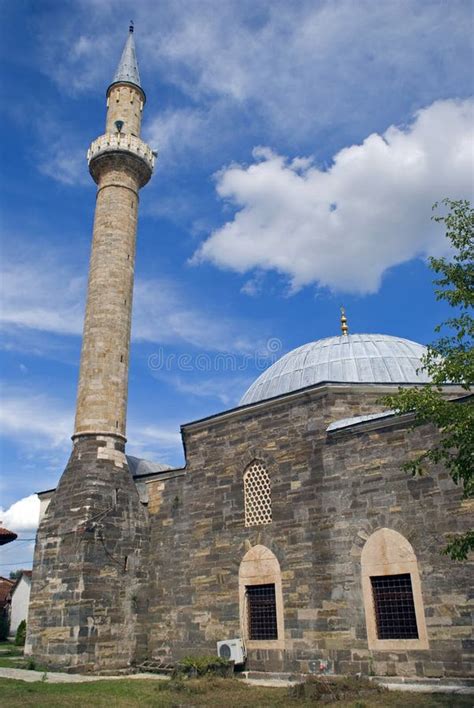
<point x="344" y="326"/>
<point x="130" y="29"/>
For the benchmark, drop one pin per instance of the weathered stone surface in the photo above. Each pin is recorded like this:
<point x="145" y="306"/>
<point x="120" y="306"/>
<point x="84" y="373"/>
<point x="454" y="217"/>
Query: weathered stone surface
<point x="88" y="599"/>
<point x="350" y="486"/>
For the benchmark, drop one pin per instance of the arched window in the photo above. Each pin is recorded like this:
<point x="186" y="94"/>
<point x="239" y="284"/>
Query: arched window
<point x="261" y="600"/>
<point x="391" y="587"/>
<point x="257" y="495"/>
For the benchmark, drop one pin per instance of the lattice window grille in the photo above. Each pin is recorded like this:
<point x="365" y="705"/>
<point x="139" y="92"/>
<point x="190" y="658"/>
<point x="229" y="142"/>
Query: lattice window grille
<point x="257" y="492"/>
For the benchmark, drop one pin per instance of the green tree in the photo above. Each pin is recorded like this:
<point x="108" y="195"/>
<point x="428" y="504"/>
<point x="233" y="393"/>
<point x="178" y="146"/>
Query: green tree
<point x="20" y="636"/>
<point x="449" y="359"/>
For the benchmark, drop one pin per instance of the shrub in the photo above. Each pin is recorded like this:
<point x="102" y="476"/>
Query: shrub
<point x="194" y="666"/>
<point x="20" y="636"/>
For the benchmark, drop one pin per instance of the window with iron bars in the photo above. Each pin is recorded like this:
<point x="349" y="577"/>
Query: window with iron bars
<point x="394" y="607"/>
<point x="262" y="616"/>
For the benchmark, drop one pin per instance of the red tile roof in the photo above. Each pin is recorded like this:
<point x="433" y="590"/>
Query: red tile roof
<point x="6" y="536"/>
<point x="5" y="587"/>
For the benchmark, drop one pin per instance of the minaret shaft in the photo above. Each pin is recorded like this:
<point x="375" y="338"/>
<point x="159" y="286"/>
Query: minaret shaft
<point x="125" y="103"/>
<point x="120" y="163"/>
<point x="103" y="380"/>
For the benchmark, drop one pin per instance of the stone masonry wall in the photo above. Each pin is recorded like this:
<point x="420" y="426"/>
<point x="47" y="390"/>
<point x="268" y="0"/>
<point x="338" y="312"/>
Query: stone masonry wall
<point x="103" y="380"/>
<point x="90" y="567"/>
<point x="373" y="492"/>
<point x="329" y="494"/>
<point x="125" y="103"/>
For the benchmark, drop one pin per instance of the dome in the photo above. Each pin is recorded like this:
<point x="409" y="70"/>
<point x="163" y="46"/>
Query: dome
<point x="353" y="358"/>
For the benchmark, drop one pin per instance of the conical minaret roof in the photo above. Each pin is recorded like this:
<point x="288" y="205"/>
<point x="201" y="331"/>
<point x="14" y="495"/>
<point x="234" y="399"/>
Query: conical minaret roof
<point x="127" y="69"/>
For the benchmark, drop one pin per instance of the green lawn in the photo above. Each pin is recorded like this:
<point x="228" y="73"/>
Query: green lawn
<point x="9" y="649"/>
<point x="212" y="692"/>
<point x="11" y="656"/>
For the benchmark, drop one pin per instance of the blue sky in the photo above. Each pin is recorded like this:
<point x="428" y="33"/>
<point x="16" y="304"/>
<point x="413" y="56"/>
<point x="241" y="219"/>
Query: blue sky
<point x="301" y="146"/>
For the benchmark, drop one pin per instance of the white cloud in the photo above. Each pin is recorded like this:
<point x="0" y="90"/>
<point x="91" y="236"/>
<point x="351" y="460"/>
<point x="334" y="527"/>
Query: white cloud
<point x="292" y="66"/>
<point x="163" y="314"/>
<point x="60" y="146"/>
<point x="64" y="164"/>
<point x="49" y="425"/>
<point x="254" y="285"/>
<point x="76" y="60"/>
<point x="48" y="421"/>
<point x="165" y="438"/>
<point x="21" y="516"/>
<point x="285" y="59"/>
<point x="157" y="442"/>
<point x="53" y="298"/>
<point x="344" y="226"/>
<point x="228" y="390"/>
<point x="173" y="132"/>
<point x="32" y="298"/>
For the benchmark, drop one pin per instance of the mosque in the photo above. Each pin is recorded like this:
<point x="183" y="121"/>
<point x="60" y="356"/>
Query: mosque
<point x="291" y="529"/>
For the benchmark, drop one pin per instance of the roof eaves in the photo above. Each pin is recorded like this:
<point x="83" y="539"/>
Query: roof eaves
<point x="320" y="386"/>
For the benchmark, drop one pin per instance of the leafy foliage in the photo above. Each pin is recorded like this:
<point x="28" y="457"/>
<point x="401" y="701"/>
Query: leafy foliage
<point x="450" y="360"/>
<point x="201" y="665"/>
<point x="20" y="636"/>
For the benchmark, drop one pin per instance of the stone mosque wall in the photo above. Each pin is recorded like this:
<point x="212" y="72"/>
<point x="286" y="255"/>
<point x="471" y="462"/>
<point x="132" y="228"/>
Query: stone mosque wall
<point x="330" y="494"/>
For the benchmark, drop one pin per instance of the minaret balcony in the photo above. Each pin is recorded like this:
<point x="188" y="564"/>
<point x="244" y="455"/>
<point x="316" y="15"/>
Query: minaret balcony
<point x="122" y="144"/>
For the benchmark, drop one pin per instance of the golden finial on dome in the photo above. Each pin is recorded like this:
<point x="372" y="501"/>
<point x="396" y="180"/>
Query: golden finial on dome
<point x="344" y="327"/>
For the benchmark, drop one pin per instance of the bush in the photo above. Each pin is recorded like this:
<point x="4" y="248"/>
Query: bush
<point x="4" y="627"/>
<point x="20" y="636"/>
<point x="194" y="666"/>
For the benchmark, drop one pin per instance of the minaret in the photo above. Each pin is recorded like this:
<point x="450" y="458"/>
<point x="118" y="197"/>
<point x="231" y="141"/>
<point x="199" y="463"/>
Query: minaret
<point x="88" y="599"/>
<point x="120" y="163"/>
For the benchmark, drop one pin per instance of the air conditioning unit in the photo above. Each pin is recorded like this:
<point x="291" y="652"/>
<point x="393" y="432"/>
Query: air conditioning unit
<point x="232" y="650"/>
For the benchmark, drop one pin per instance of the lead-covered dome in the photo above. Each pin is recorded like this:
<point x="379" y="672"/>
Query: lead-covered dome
<point x="353" y="358"/>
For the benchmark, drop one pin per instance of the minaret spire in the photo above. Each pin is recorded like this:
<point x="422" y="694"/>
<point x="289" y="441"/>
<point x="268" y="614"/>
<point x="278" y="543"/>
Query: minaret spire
<point x="127" y="70"/>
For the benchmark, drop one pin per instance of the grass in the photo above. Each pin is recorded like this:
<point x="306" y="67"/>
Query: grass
<point x="10" y="649"/>
<point x="11" y="656"/>
<point x="212" y="693"/>
<point x="18" y="662"/>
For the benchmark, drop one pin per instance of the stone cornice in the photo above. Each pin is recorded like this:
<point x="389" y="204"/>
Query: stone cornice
<point x="310" y="392"/>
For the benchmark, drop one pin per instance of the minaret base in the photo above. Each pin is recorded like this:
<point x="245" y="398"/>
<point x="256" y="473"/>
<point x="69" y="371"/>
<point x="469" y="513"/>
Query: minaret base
<point x="89" y="601"/>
